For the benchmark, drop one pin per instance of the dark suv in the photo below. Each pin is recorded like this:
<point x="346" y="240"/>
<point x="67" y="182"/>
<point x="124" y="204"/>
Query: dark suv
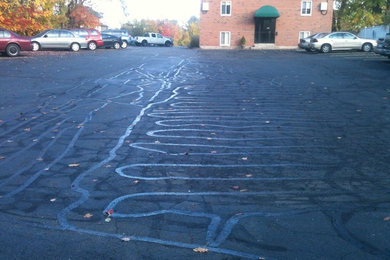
<point x="123" y="34"/>
<point x="93" y="37"/>
<point x="383" y="47"/>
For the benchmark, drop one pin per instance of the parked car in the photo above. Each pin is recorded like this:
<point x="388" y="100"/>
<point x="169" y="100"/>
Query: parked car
<point x="341" y="41"/>
<point x="123" y="34"/>
<point x="153" y="39"/>
<point x="111" y="41"/>
<point x="305" y="42"/>
<point x="58" y="38"/>
<point x="383" y="46"/>
<point x="93" y="37"/>
<point x="12" y="43"/>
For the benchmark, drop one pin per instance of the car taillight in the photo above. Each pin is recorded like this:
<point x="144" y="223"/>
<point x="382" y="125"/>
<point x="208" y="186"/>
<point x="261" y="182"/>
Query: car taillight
<point x="313" y="40"/>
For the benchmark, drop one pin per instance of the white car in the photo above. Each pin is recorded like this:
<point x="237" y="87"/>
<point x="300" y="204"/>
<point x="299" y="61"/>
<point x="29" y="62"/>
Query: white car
<point x="342" y="41"/>
<point x="58" y="38"/>
<point x="305" y="42"/>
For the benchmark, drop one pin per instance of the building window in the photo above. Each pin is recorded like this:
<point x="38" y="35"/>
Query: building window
<point x="306" y="7"/>
<point x="224" y="39"/>
<point x="226" y="8"/>
<point x="304" y="34"/>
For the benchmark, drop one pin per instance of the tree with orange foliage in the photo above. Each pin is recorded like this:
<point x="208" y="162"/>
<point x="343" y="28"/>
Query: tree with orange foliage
<point x="82" y="16"/>
<point x="26" y="17"/>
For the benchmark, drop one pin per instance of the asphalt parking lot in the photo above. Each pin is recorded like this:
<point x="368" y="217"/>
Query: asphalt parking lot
<point x="172" y="153"/>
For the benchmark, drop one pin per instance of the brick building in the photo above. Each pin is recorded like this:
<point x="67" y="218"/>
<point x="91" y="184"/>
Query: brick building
<point x="263" y="23"/>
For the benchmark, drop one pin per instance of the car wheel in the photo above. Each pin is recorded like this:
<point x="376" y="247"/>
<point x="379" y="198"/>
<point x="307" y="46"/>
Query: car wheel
<point x="124" y="45"/>
<point x="168" y="44"/>
<point x="144" y="43"/>
<point x="92" y="46"/>
<point x="367" y="47"/>
<point x="12" y="50"/>
<point x="36" y="46"/>
<point x="326" y="48"/>
<point x="117" y="46"/>
<point x="75" y="46"/>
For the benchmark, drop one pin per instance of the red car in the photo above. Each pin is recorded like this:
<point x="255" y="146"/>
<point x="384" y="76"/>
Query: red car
<point x="12" y="43"/>
<point x="93" y="37"/>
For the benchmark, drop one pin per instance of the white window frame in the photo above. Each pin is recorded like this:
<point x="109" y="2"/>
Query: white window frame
<point x="303" y="34"/>
<point x="304" y="10"/>
<point x="224" y="39"/>
<point x="226" y="3"/>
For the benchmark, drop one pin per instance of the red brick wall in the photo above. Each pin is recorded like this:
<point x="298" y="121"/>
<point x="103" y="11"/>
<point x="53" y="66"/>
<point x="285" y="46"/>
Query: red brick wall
<point x="242" y="22"/>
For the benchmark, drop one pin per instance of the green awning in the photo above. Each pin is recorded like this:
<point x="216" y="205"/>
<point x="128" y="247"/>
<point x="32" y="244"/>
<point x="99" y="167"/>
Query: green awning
<point x="267" y="11"/>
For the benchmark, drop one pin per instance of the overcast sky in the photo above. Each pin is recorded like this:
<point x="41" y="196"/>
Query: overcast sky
<point x="113" y="14"/>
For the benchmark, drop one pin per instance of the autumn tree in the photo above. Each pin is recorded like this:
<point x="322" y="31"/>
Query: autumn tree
<point x="82" y="16"/>
<point x="353" y="15"/>
<point x="193" y="28"/>
<point x="26" y="17"/>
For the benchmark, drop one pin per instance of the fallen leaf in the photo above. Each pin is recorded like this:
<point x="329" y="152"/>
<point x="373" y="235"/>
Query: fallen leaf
<point x="209" y="138"/>
<point x="387" y="218"/>
<point x="136" y="181"/>
<point x="110" y="212"/>
<point x="74" y="165"/>
<point x="236" y="187"/>
<point x="108" y="220"/>
<point x="213" y="152"/>
<point x="128" y="141"/>
<point x="10" y="141"/>
<point x="27" y="129"/>
<point x="46" y="169"/>
<point x="95" y="180"/>
<point x="80" y="126"/>
<point x="107" y="166"/>
<point x="248" y="175"/>
<point x="200" y="250"/>
<point x="54" y="108"/>
<point x="35" y="140"/>
<point x="244" y="158"/>
<point x="88" y="215"/>
<point x="267" y="122"/>
<point x="157" y="142"/>
<point x="53" y="199"/>
<point x="125" y="239"/>
<point x="243" y="190"/>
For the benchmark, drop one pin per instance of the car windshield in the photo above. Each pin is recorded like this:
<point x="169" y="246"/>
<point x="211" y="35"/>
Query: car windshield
<point x="41" y="33"/>
<point x="320" y="35"/>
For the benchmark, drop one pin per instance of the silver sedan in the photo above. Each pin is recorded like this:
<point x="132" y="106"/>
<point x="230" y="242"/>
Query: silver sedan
<point x="342" y="41"/>
<point x="58" y="39"/>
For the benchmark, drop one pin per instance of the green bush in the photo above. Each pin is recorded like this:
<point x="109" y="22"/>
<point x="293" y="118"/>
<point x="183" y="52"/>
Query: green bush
<point x="194" y="43"/>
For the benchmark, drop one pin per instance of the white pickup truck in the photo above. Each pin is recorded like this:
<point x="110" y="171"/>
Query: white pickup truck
<point x="153" y="39"/>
